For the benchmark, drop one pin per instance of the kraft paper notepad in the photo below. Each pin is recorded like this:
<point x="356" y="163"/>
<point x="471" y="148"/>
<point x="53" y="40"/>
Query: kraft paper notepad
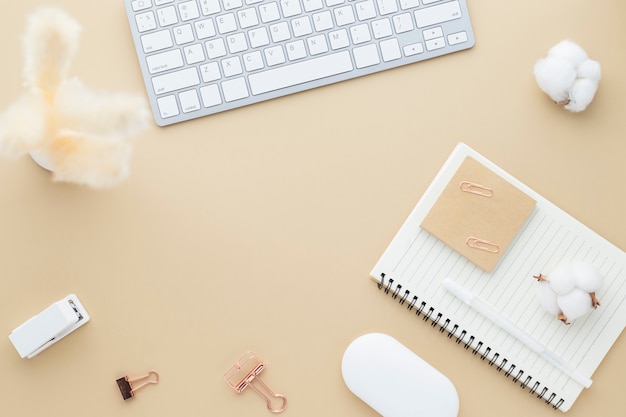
<point x="414" y="266"/>
<point x="478" y="213"/>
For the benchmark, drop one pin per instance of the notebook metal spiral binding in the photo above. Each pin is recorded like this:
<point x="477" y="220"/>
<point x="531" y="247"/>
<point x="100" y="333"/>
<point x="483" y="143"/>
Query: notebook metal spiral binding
<point x="461" y="337"/>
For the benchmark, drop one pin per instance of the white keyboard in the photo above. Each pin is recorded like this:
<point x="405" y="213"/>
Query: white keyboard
<point x="200" y="57"/>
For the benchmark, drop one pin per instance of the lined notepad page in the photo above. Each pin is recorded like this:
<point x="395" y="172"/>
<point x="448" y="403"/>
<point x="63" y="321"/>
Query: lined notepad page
<point x="419" y="262"/>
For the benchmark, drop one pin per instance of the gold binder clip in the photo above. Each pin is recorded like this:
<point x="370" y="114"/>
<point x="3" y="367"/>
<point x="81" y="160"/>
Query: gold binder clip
<point x="245" y="372"/>
<point x="126" y="387"/>
<point x="472" y="187"/>
<point x="476" y="243"/>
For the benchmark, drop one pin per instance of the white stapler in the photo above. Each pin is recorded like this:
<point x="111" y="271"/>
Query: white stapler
<point x="48" y="327"/>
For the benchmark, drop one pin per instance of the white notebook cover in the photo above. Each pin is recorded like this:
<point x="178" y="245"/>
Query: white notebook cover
<point x="415" y="263"/>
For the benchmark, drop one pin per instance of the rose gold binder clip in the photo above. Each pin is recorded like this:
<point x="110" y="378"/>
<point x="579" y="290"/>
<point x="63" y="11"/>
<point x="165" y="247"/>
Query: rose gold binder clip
<point x="476" y="243"/>
<point x="128" y="390"/>
<point x="245" y="372"/>
<point x="473" y="188"/>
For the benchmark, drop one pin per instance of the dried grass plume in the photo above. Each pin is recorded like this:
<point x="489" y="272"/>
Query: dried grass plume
<point x="81" y="135"/>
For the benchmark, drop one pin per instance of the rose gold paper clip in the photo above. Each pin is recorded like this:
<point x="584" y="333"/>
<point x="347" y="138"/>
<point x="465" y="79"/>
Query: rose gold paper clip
<point x="245" y="372"/>
<point x="126" y="387"/>
<point x="473" y="188"/>
<point x="476" y="243"/>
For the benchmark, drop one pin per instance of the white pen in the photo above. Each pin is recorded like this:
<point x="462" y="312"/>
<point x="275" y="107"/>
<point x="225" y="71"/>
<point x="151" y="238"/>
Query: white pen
<point x="490" y="313"/>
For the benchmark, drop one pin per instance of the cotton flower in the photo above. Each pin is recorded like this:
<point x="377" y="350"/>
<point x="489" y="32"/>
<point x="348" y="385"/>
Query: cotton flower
<point x="569" y="291"/>
<point x="568" y="76"/>
<point x="82" y="136"/>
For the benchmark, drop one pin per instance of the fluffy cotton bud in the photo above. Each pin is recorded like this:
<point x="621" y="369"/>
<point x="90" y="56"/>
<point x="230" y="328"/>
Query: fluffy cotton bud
<point x="569" y="291"/>
<point x="568" y="76"/>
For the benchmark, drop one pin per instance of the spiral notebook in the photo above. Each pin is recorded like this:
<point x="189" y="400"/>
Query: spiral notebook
<point x="415" y="264"/>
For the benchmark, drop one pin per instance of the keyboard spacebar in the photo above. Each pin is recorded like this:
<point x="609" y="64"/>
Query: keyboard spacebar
<point x="301" y="72"/>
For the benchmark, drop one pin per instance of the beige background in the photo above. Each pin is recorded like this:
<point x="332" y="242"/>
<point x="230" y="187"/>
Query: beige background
<point x="257" y="228"/>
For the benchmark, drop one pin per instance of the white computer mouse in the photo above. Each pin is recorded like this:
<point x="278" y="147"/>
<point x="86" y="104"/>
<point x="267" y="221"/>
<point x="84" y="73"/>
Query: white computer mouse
<point x="396" y="382"/>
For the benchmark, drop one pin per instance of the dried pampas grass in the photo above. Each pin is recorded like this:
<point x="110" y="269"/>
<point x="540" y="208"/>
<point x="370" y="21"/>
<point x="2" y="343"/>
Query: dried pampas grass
<point x="83" y="136"/>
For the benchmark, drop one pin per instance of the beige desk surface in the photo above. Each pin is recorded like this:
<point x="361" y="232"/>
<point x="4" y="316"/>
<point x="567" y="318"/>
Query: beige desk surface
<point x="257" y="228"/>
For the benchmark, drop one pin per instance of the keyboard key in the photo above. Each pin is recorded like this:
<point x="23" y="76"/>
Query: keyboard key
<point x="457" y="38"/>
<point x="210" y="72"/>
<point x="253" y="61"/>
<point x="164" y="61"/>
<point x="366" y="10"/>
<point x="248" y="18"/>
<point x="434" y="44"/>
<point x="312" y="5"/>
<point x="189" y="101"/>
<point x="296" y="50"/>
<point x="301" y="26"/>
<point x="300" y="72"/>
<point x="232" y="4"/>
<point x="175" y="80"/>
<point x="317" y="44"/>
<point x="432" y="33"/>
<point x="390" y="50"/>
<point x="231" y="66"/>
<point x="280" y="32"/>
<point x="269" y="12"/>
<point x="168" y="106"/>
<point x="188" y="10"/>
<point x="194" y="54"/>
<point x="387" y="6"/>
<point x="344" y="15"/>
<point x="403" y="23"/>
<point x="437" y="14"/>
<point x="205" y="28"/>
<point x="410" y="4"/>
<point x="366" y="56"/>
<point x="413" y="49"/>
<point x="323" y="21"/>
<point x="290" y="7"/>
<point x="235" y="89"/>
<point x="381" y="28"/>
<point x="209" y="7"/>
<point x="184" y="34"/>
<point x="274" y="55"/>
<point x="141" y="5"/>
<point x="237" y="43"/>
<point x="145" y="21"/>
<point x="360" y="34"/>
<point x="156" y="41"/>
<point x="226" y="23"/>
<point x="339" y="39"/>
<point x="167" y="16"/>
<point x="210" y="95"/>
<point x="215" y="48"/>
<point x="258" y="37"/>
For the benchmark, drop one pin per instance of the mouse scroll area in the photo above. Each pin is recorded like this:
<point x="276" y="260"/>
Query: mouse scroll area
<point x="396" y="382"/>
